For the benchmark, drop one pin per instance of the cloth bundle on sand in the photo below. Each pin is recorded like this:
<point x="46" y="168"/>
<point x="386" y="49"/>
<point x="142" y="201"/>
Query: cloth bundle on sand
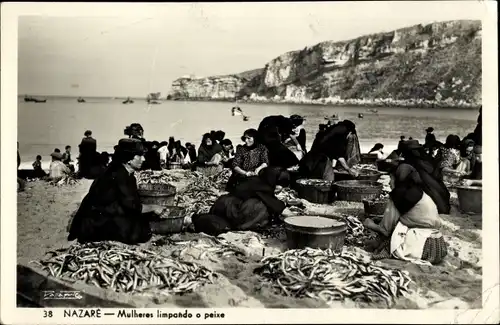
<point x="251" y="205"/>
<point x="273" y="131"/>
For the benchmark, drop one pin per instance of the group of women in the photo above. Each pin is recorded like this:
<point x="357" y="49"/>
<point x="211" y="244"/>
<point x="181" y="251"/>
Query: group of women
<point x="112" y="209"/>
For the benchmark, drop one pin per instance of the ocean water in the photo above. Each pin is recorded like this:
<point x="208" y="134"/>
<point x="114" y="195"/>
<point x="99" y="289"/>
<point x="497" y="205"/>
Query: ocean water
<point x="62" y="121"/>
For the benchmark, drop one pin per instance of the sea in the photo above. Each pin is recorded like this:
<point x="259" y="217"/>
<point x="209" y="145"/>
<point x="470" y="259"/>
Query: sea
<point x="61" y="121"/>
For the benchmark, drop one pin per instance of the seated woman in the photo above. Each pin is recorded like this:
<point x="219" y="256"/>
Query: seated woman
<point x="477" y="169"/>
<point x="112" y="209"/>
<point x="250" y="159"/>
<point x="209" y="160"/>
<point x="378" y="150"/>
<point x="58" y="170"/>
<point x="227" y="153"/>
<point x="250" y="206"/>
<point x="448" y="158"/>
<point x="411" y="222"/>
<point x="331" y="145"/>
<point x="273" y="131"/>
<point x="467" y="158"/>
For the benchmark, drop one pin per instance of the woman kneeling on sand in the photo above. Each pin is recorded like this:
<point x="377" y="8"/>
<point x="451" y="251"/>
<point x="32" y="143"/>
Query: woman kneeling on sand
<point x="410" y="223"/>
<point x="112" y="209"/>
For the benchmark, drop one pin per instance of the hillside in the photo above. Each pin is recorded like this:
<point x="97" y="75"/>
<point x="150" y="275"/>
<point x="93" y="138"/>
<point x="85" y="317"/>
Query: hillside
<point x="435" y="64"/>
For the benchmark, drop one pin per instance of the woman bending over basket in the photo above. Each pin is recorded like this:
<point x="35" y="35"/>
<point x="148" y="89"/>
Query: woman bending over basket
<point x="410" y="223"/>
<point x="112" y="209"/>
<point x="250" y="159"/>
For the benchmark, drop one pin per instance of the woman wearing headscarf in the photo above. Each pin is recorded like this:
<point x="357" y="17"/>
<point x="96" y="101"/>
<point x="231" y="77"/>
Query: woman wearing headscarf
<point x="250" y="159"/>
<point x="209" y="159"/>
<point x="448" y="158"/>
<point x="112" y="209"/>
<point x="334" y="144"/>
<point x="378" y="150"/>
<point x="414" y="154"/>
<point x="467" y="158"/>
<point x="251" y="206"/>
<point x="273" y="132"/>
<point x="152" y="156"/>
<point x="411" y="222"/>
<point x="296" y="142"/>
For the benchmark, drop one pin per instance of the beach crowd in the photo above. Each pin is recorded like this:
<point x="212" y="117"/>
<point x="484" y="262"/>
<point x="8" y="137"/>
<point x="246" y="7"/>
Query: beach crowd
<point x="270" y="157"/>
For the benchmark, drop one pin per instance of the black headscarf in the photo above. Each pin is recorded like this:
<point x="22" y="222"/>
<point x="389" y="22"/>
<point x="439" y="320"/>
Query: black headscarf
<point x="252" y="133"/>
<point x="407" y="190"/>
<point x="452" y="142"/>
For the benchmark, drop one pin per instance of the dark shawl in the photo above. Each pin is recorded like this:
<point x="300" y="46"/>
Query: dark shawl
<point x="273" y="130"/>
<point x="263" y="187"/>
<point x="407" y="190"/>
<point x="432" y="184"/>
<point x="333" y="142"/>
<point x="111" y="210"/>
<point x="205" y="153"/>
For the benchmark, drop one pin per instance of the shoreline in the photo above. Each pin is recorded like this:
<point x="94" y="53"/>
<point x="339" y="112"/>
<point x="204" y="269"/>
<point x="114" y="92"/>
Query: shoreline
<point x="382" y="103"/>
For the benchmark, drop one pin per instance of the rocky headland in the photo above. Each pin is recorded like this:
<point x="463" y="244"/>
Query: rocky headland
<point x="434" y="65"/>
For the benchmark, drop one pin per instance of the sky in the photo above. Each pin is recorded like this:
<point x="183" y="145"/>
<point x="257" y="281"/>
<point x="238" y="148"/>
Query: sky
<point x="133" y="49"/>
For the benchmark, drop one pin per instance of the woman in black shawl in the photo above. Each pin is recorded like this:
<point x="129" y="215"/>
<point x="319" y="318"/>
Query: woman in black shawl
<point x="251" y="206"/>
<point x="410" y="226"/>
<point x="112" y="209"/>
<point x="152" y="156"/>
<point x="273" y="131"/>
<point x="209" y="161"/>
<point x="415" y="155"/>
<point x="331" y="144"/>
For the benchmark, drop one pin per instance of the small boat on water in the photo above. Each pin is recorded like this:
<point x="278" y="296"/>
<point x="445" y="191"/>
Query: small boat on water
<point x="80" y="100"/>
<point x="236" y="111"/>
<point x="128" y="101"/>
<point x="360" y="115"/>
<point x="34" y="100"/>
<point x="373" y="110"/>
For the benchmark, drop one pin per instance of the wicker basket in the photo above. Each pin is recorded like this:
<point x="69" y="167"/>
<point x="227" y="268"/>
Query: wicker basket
<point x="368" y="158"/>
<point x="174" y="165"/>
<point x="364" y="175"/>
<point x="171" y="222"/>
<point x="357" y="191"/>
<point x="374" y="208"/>
<point x="321" y="192"/>
<point x="157" y="194"/>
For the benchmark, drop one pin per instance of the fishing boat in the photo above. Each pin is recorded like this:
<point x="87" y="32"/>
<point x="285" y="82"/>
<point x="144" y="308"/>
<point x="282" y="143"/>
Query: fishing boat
<point x="360" y="115"/>
<point x="80" y="100"/>
<point x="34" y="100"/>
<point x="373" y="110"/>
<point x="128" y="101"/>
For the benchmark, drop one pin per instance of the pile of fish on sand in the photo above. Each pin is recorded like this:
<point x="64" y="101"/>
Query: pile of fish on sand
<point x="332" y="277"/>
<point x="68" y="180"/>
<point x="202" y="192"/>
<point x="208" y="245"/>
<point x="155" y="177"/>
<point x="123" y="269"/>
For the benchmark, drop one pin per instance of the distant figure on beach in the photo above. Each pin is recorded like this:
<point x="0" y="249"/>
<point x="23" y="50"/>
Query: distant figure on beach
<point x="88" y="150"/>
<point x="37" y="167"/>
<point x="58" y="169"/>
<point x="67" y="158"/>
<point x="21" y="184"/>
<point x="112" y="209"/>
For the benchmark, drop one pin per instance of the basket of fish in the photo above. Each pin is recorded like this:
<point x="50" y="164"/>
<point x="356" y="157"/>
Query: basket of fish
<point x="157" y="194"/>
<point x="171" y="221"/>
<point x="363" y="175"/>
<point x="315" y="190"/>
<point x="376" y="206"/>
<point x="357" y="191"/>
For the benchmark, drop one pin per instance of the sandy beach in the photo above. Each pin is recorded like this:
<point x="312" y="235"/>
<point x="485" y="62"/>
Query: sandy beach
<point x="44" y="211"/>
